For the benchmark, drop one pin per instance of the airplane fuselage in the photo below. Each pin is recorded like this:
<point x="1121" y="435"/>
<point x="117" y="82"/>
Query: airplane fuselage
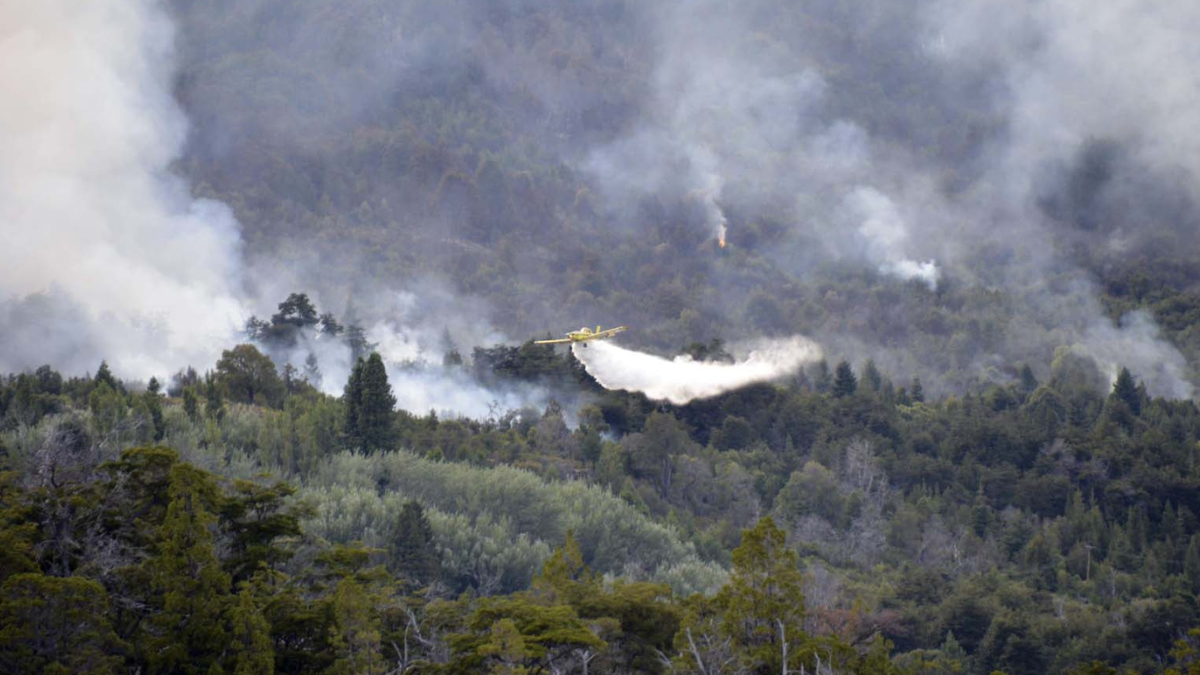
<point x="583" y="335"/>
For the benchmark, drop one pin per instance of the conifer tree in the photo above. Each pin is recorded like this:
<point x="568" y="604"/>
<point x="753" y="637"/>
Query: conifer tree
<point x="413" y="554"/>
<point x="1191" y="563"/>
<point x="214" y="402"/>
<point x="189" y="633"/>
<point x="1028" y="381"/>
<point x="191" y="404"/>
<point x="762" y="605"/>
<point x="351" y="397"/>
<point x="872" y="377"/>
<point x="105" y="376"/>
<point x="376" y="407"/>
<point x="917" y="392"/>
<point x="563" y="572"/>
<point x="1125" y="389"/>
<point x="154" y="407"/>
<point x="844" y="381"/>
<point x="355" y="636"/>
<point x="356" y="339"/>
<point x="250" y="644"/>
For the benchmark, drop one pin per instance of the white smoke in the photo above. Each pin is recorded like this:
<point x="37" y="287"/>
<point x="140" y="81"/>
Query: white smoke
<point x="1137" y="344"/>
<point x="107" y="255"/>
<point x="89" y="214"/>
<point x="1075" y="73"/>
<point x="887" y="236"/>
<point x="421" y="382"/>
<point x="682" y="379"/>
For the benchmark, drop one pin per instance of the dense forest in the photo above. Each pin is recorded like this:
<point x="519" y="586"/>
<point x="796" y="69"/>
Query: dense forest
<point x="242" y="521"/>
<point x="472" y="168"/>
<point x="979" y="218"/>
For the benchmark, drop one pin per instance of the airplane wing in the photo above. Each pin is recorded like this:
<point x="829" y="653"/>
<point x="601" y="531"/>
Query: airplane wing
<point x="609" y="333"/>
<point x="561" y="341"/>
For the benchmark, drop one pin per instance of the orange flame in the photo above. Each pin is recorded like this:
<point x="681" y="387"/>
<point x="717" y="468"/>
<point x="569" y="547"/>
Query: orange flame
<point x="721" y="237"/>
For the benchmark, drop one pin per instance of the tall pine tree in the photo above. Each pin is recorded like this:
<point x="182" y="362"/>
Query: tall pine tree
<point x="412" y="551"/>
<point x="188" y="635"/>
<point x="370" y="407"/>
<point x="1125" y="389"/>
<point x="844" y="382"/>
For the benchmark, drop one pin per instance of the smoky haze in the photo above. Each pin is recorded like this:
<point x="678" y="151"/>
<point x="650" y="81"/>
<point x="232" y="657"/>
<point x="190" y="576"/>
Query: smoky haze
<point x="120" y="260"/>
<point x="949" y="189"/>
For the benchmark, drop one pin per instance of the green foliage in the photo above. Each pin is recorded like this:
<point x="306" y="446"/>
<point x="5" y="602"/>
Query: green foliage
<point x="1035" y="517"/>
<point x="1126" y="390"/>
<point x="412" y="554"/>
<point x="187" y="576"/>
<point x="56" y="625"/>
<point x="762" y="606"/>
<point x="514" y="634"/>
<point x="355" y="636"/>
<point x="480" y="547"/>
<point x="247" y="375"/>
<point x="252" y="652"/>
<point x="844" y="381"/>
<point x="370" y="406"/>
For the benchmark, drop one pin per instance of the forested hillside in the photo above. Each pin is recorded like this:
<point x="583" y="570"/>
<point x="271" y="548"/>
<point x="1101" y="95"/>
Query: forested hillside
<point x="934" y="264"/>
<point x="1034" y="528"/>
<point x="491" y="149"/>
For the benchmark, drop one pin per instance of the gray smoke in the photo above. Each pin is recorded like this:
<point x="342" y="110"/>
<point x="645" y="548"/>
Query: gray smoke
<point x="682" y="379"/>
<point x="107" y="255"/>
<point x="120" y="259"/>
<point x="1002" y="140"/>
<point x="1000" y="153"/>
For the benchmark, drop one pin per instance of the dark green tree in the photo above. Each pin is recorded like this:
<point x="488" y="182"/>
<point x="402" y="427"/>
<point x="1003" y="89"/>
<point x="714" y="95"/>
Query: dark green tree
<point x="655" y="449"/>
<point x="214" y="401"/>
<point x="56" y="626"/>
<point x="1126" y="390"/>
<point x="844" y="381"/>
<point x="370" y="406"/>
<point x="412" y="549"/>
<point x="1028" y="381"/>
<point x="330" y="325"/>
<point x="154" y="407"/>
<point x="189" y="632"/>
<point x="872" y="378"/>
<point x="251" y="651"/>
<point x="105" y="376"/>
<point x="917" y="392"/>
<point x="735" y="434"/>
<point x="297" y="311"/>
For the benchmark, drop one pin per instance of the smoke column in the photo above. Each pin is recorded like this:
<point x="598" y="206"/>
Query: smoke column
<point x="122" y="262"/>
<point x="682" y="379"/>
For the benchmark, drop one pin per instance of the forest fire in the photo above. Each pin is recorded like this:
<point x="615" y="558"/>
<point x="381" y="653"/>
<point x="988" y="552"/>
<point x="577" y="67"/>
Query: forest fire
<point x="721" y="237"/>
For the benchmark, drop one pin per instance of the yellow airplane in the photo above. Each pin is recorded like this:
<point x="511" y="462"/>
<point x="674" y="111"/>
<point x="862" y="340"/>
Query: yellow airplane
<point x="583" y="335"/>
